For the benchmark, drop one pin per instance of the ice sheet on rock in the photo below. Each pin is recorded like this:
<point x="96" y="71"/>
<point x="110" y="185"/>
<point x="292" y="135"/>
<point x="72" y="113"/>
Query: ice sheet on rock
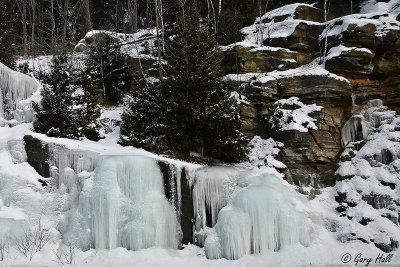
<point x="127" y="206"/>
<point x="15" y="87"/>
<point x="259" y="218"/>
<point x="212" y="189"/>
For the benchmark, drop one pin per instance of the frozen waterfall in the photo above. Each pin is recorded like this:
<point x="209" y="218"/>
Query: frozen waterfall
<point x="130" y="201"/>
<point x="123" y="205"/>
<point x="259" y="218"/>
<point x="15" y="88"/>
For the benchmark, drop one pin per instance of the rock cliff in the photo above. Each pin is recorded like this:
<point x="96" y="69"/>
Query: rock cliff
<point x="282" y="55"/>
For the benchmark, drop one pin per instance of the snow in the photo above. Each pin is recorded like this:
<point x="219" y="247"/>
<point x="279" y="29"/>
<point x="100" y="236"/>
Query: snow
<point x="263" y="153"/>
<point x="136" y="45"/>
<point x="292" y="114"/>
<point x="337" y="51"/>
<point x="383" y="23"/>
<point x="314" y="68"/>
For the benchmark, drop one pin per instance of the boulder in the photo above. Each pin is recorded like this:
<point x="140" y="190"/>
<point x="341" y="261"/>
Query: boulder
<point x="37" y="155"/>
<point x="309" y="13"/>
<point x="92" y="39"/>
<point x="353" y="62"/>
<point x="315" y="87"/>
<point x="304" y="38"/>
<point x="242" y="60"/>
<point x="367" y="37"/>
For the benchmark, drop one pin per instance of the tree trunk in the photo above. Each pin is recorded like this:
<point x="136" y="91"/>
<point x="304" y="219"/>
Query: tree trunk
<point x="64" y="22"/>
<point x="53" y="27"/>
<point x="86" y="14"/>
<point x="33" y="26"/>
<point x="160" y="43"/>
<point x="116" y="16"/>
<point x="24" y="29"/>
<point x="132" y="15"/>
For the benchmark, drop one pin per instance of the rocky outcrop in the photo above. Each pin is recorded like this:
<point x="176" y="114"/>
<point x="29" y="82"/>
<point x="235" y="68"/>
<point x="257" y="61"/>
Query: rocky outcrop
<point x="364" y="53"/>
<point x="304" y="38"/>
<point x="37" y="155"/>
<point x="352" y="62"/>
<point x="185" y="212"/>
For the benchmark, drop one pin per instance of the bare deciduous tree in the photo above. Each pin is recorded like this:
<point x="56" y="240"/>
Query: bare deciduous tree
<point x="66" y="254"/>
<point x="32" y="242"/>
<point x="3" y="248"/>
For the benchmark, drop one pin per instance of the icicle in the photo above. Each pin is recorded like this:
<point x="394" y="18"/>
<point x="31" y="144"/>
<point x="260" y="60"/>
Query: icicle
<point x="211" y="191"/>
<point x="353" y="99"/>
<point x="14" y="88"/>
<point x="259" y="218"/>
<point x="127" y="206"/>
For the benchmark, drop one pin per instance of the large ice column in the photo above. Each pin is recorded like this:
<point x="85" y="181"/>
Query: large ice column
<point x="212" y="189"/>
<point x="259" y="218"/>
<point x="14" y="88"/>
<point x="127" y="206"/>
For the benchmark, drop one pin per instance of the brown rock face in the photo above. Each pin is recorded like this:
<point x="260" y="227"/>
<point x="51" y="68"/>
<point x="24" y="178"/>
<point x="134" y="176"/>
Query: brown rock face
<point x="242" y="60"/>
<point x="309" y="13"/>
<point x="38" y="155"/>
<point x="351" y="63"/>
<point x="304" y="38"/>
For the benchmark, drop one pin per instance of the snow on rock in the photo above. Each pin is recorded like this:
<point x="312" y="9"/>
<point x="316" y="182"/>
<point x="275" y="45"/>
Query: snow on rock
<point x="369" y="181"/>
<point x="337" y="51"/>
<point x="314" y="68"/>
<point x="292" y="114"/>
<point x="263" y="153"/>
<point x="15" y="90"/>
<point x="139" y="44"/>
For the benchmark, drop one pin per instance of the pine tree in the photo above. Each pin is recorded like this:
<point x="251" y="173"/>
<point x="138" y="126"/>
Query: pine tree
<point x="64" y="110"/>
<point x="6" y="35"/>
<point x="143" y="122"/>
<point x="55" y="114"/>
<point x="205" y="118"/>
<point x="107" y="66"/>
<point x="88" y="109"/>
<point x="190" y="110"/>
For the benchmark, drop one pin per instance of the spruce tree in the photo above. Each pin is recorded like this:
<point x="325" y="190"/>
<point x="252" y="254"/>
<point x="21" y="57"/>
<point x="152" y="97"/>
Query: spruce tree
<point x="6" y="35"/>
<point x="144" y="122"/>
<point x="55" y="114"/>
<point x="107" y="67"/>
<point x="66" y="111"/>
<point x="191" y="109"/>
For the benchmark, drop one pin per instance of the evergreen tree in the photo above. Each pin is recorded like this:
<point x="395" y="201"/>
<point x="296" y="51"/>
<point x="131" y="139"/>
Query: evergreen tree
<point x="55" y="114"/>
<point x="190" y="110"/>
<point x="144" y="122"/>
<point x="107" y="66"/>
<point x="6" y="35"/>
<point x="88" y="110"/>
<point x="65" y="111"/>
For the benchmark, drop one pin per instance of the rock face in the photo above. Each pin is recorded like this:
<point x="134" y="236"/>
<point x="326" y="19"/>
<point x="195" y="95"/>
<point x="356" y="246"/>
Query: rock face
<point x="363" y="52"/>
<point x="351" y="62"/>
<point x="38" y="155"/>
